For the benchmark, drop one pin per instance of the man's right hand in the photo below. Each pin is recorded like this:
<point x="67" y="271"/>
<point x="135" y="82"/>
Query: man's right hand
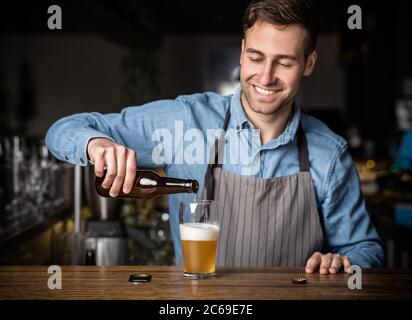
<point x="120" y="163"/>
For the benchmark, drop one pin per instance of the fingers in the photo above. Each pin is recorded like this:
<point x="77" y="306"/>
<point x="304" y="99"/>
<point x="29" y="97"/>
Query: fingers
<point x="326" y="263"/>
<point x="313" y="262"/>
<point x="119" y="161"/>
<point x="99" y="165"/>
<point x="336" y="263"/>
<point x="346" y="264"/>
<point x="120" y="157"/>
<point x="131" y="166"/>
<point x="126" y="170"/>
<point x="111" y="165"/>
<point x="96" y="152"/>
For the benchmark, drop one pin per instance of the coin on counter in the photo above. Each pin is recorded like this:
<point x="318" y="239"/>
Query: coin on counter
<point x="299" y="280"/>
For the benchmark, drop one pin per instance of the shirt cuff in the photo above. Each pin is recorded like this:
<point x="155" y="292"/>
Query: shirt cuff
<point x="80" y="155"/>
<point x="372" y="258"/>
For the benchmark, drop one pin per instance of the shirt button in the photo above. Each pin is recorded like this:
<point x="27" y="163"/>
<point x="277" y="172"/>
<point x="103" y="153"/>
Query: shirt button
<point x="66" y="157"/>
<point x="81" y="160"/>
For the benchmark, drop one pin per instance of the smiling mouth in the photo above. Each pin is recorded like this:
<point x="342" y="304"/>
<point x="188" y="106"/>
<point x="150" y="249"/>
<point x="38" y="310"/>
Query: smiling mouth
<point x="265" y="92"/>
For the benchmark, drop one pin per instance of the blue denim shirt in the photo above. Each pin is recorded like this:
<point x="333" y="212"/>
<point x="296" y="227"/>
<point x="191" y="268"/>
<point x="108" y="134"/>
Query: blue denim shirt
<point x="347" y="226"/>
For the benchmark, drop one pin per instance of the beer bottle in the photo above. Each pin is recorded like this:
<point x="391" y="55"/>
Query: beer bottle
<point x="148" y="184"/>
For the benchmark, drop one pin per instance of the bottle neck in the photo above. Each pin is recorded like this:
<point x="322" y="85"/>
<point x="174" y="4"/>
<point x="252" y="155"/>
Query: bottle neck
<point x="179" y="184"/>
<point x="189" y="185"/>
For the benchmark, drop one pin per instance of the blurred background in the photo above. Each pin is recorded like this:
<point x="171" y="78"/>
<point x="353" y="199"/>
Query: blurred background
<point x="111" y="53"/>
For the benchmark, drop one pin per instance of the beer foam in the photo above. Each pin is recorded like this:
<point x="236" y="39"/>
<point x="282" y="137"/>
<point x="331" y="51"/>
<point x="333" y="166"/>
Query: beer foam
<point x="198" y="231"/>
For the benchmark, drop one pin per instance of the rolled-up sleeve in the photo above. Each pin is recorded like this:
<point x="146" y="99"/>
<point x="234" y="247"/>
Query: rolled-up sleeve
<point x="347" y="224"/>
<point x="133" y="127"/>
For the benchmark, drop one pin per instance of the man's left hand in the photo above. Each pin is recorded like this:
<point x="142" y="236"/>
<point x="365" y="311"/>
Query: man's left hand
<point x="327" y="263"/>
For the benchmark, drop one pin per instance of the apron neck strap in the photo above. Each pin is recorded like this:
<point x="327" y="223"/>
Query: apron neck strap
<point x="209" y="183"/>
<point x="220" y="142"/>
<point x="226" y="122"/>
<point x="302" y="149"/>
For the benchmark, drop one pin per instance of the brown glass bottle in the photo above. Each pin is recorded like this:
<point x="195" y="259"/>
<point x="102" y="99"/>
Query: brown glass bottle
<point x="148" y="184"/>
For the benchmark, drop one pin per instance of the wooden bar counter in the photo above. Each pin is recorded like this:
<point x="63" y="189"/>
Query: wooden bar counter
<point x="90" y="282"/>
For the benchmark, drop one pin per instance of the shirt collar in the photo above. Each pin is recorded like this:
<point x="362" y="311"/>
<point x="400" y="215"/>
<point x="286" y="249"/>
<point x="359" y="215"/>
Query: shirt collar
<point x="240" y="120"/>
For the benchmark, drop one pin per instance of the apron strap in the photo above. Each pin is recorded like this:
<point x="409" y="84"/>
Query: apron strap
<point x="302" y="149"/>
<point x="221" y="142"/>
<point x="209" y="179"/>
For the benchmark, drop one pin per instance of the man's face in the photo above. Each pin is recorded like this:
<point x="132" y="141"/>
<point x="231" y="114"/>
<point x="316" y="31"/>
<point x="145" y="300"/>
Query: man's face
<point x="272" y="65"/>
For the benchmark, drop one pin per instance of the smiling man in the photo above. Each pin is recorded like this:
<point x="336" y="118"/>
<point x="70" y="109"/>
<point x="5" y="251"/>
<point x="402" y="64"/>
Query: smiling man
<point x="275" y="55"/>
<point x="302" y="207"/>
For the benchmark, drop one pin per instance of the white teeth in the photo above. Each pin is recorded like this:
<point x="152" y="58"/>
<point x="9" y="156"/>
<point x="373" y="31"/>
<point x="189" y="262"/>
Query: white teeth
<point x="264" y="91"/>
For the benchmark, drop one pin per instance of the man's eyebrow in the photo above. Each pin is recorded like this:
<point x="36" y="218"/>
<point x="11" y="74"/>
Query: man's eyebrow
<point x="278" y="56"/>
<point x="251" y="50"/>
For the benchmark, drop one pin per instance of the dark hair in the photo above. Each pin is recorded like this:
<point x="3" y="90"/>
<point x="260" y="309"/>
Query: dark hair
<point x="284" y="12"/>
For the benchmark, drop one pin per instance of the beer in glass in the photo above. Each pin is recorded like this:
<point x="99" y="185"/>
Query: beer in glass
<point x="199" y="234"/>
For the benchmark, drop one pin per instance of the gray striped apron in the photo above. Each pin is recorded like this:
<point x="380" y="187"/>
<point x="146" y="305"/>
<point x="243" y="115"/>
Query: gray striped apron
<point x="264" y="222"/>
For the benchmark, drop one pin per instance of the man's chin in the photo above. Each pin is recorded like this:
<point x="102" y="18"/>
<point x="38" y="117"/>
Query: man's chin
<point x="266" y="108"/>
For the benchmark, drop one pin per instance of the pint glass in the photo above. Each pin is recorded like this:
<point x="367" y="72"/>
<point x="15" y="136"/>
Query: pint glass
<point x="199" y="232"/>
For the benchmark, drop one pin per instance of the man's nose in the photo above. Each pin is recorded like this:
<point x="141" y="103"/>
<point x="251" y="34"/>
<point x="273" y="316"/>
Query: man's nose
<point x="268" y="74"/>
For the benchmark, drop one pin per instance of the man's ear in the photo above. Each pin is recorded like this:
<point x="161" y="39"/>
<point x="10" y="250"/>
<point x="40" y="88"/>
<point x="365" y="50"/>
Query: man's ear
<point x="310" y="63"/>
<point x="241" y="50"/>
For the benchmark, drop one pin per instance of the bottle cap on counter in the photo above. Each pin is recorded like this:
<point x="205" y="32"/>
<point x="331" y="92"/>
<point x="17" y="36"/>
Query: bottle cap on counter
<point x="299" y="280"/>
<point x="140" y="278"/>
